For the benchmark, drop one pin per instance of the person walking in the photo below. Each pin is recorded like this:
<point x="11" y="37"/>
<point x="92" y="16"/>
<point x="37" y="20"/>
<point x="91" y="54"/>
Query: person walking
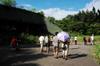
<point x="92" y="39"/>
<point x="64" y="39"/>
<point x="75" y="39"/>
<point x="65" y="49"/>
<point x="14" y="43"/>
<point x="55" y="45"/>
<point x="41" y="40"/>
<point x="89" y="40"/>
<point x="85" y="40"/>
<point x="47" y="45"/>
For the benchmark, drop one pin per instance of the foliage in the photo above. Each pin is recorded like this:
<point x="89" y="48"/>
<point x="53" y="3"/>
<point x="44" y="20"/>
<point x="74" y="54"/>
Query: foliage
<point x="8" y="2"/>
<point x="52" y="28"/>
<point x="33" y="10"/>
<point x="85" y="22"/>
<point x="41" y="12"/>
<point x="28" y="38"/>
<point x="51" y="19"/>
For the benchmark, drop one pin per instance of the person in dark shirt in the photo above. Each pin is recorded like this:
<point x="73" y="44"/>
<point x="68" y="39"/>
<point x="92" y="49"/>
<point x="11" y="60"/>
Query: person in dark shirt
<point x="85" y="40"/>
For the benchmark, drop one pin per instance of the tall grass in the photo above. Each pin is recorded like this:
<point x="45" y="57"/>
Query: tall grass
<point x="96" y="52"/>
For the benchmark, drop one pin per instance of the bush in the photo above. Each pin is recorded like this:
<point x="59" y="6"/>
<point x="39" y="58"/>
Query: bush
<point x="29" y="39"/>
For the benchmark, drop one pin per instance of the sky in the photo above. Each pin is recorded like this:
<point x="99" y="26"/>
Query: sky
<point x="59" y="8"/>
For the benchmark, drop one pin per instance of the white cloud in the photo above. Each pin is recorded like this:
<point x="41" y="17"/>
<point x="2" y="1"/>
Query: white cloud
<point x="25" y="6"/>
<point x="58" y="13"/>
<point x="89" y="6"/>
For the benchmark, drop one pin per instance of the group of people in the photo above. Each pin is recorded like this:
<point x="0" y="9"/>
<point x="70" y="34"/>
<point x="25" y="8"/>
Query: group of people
<point x="86" y="40"/>
<point x="47" y="41"/>
<point x="44" y="40"/>
<point x="89" y="40"/>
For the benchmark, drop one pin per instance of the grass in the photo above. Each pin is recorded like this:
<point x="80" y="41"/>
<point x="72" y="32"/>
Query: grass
<point x="96" y="52"/>
<point x="97" y="39"/>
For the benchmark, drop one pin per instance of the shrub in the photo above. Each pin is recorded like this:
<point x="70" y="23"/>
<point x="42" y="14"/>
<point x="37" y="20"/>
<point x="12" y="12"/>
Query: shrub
<point x="29" y="39"/>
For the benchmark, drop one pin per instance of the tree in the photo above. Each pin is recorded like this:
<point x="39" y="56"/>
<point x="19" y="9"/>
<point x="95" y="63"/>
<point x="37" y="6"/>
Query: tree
<point x="94" y="10"/>
<point x="98" y="12"/>
<point x="41" y="12"/>
<point x="85" y="22"/>
<point x="33" y="10"/>
<point x="8" y="2"/>
<point x="51" y="19"/>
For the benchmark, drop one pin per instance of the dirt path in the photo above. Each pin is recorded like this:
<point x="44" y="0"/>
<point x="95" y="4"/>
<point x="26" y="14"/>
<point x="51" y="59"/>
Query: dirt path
<point x="78" y="56"/>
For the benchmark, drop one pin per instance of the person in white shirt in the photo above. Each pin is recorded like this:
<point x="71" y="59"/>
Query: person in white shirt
<point x="41" y="40"/>
<point x="75" y="39"/>
<point x="92" y="39"/>
<point x="55" y="45"/>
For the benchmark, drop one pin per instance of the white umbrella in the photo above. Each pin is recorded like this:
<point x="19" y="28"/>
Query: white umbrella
<point x="63" y="36"/>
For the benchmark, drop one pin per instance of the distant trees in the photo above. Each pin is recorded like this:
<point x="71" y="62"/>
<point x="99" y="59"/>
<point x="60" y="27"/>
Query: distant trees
<point x="33" y="10"/>
<point x="8" y="2"/>
<point x="85" y="22"/>
<point x="41" y="12"/>
<point x="51" y="19"/>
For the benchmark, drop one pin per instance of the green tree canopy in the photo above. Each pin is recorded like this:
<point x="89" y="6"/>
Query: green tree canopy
<point x="85" y="22"/>
<point x="8" y="2"/>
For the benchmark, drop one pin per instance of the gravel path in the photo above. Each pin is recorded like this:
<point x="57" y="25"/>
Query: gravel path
<point x="78" y="56"/>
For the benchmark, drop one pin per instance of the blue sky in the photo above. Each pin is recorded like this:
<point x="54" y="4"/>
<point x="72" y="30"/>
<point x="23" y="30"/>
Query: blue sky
<point x="59" y="8"/>
<point x="63" y="4"/>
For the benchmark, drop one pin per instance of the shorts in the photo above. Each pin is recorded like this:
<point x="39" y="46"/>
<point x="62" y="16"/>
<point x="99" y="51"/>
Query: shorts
<point x="47" y="44"/>
<point x="64" y="47"/>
